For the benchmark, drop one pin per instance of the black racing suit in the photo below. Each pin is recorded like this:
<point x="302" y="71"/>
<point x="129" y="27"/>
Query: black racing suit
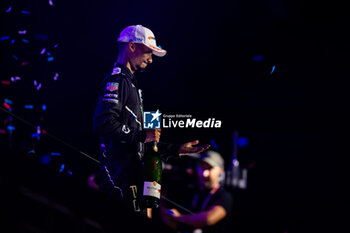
<point x="118" y="120"/>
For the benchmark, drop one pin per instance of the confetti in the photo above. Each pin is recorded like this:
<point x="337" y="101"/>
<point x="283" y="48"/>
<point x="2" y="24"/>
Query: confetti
<point x="11" y="128"/>
<point x="8" y="101"/>
<point x="4" y="82"/>
<point x="36" y="135"/>
<point x="5" y="38"/>
<point x="25" y="12"/>
<point x="7" y="106"/>
<point x="55" y="154"/>
<point x="22" y="36"/>
<point x="62" y="167"/>
<point x="28" y="106"/>
<point x="43" y="51"/>
<point x="9" y="9"/>
<point x="273" y="69"/>
<point x="56" y="76"/>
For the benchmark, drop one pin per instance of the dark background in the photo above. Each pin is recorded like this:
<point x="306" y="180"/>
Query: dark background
<point x="209" y="72"/>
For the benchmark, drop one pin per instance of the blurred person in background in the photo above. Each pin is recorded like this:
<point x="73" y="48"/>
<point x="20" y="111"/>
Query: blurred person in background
<point x="211" y="205"/>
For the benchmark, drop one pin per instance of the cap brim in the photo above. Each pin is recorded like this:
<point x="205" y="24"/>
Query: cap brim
<point x="211" y="162"/>
<point x="156" y="50"/>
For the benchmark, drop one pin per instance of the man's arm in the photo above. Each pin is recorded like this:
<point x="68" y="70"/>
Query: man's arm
<point x="204" y="218"/>
<point x="168" y="150"/>
<point x="108" y="120"/>
<point x="189" y="148"/>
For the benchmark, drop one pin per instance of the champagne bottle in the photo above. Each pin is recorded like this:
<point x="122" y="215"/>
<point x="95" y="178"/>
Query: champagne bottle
<point x="152" y="178"/>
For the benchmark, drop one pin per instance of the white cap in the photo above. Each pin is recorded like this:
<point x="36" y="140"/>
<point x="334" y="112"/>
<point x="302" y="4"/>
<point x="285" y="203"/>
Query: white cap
<point x="213" y="158"/>
<point x="142" y="35"/>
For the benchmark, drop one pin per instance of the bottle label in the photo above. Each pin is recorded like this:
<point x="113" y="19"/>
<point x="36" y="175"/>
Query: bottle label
<point x="151" y="189"/>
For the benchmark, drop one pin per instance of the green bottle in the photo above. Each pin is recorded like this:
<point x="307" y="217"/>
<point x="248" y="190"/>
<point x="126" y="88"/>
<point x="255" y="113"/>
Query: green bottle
<point x="152" y="178"/>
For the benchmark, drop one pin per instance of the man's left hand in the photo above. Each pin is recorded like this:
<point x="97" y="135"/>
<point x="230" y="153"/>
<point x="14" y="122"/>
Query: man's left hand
<point x="189" y="148"/>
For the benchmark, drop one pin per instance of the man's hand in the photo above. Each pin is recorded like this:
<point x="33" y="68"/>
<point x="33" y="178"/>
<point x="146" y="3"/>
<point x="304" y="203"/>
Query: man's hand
<point x="188" y="148"/>
<point x="153" y="135"/>
<point x="169" y="217"/>
<point x="173" y="212"/>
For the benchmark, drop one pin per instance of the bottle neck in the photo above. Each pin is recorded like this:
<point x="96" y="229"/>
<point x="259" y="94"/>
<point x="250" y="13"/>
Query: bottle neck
<point x="155" y="146"/>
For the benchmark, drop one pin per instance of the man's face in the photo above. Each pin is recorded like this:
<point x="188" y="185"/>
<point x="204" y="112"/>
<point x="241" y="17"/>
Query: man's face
<point x="208" y="176"/>
<point x="140" y="57"/>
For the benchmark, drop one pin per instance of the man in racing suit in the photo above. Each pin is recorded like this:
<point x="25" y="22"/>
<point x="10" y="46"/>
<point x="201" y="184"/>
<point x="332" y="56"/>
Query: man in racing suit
<point x="118" y="120"/>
